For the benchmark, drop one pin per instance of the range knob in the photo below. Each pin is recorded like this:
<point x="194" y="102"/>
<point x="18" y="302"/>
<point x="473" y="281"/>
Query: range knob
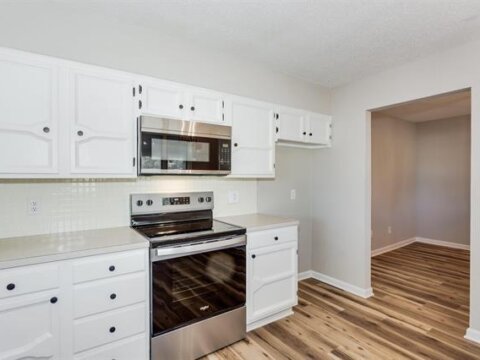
<point x="139" y="203"/>
<point x="208" y="199"/>
<point x="200" y="199"/>
<point x="149" y="202"/>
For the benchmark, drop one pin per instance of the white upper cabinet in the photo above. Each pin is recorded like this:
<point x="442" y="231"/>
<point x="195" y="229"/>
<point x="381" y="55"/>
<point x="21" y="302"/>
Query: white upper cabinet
<point x="176" y="101"/>
<point x="162" y="98"/>
<point x="102" y="122"/>
<point x="253" y="152"/>
<point x="319" y="129"/>
<point x="290" y="124"/>
<point x="28" y="115"/>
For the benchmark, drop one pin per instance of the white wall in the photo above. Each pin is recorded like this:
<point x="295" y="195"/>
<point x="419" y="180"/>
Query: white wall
<point x="50" y="29"/>
<point x="341" y="214"/>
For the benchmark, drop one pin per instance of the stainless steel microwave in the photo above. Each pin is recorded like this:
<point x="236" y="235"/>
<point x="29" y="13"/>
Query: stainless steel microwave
<point x="168" y="146"/>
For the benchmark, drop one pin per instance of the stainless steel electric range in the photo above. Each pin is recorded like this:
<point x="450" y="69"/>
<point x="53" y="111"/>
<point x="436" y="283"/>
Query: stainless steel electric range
<point x="198" y="274"/>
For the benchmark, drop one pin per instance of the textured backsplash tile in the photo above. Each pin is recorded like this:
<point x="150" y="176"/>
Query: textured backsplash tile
<point x="70" y="205"/>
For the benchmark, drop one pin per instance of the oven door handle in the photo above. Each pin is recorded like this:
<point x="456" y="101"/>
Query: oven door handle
<point x="186" y="250"/>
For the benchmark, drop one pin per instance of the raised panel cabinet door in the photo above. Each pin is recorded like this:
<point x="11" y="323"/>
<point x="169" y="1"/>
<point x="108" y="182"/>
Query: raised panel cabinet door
<point x="290" y="124"/>
<point x="272" y="280"/>
<point x="30" y="327"/>
<point x="319" y="129"/>
<point x="253" y="151"/>
<point x="28" y="115"/>
<point x="103" y="118"/>
<point x="162" y="98"/>
<point x="205" y="106"/>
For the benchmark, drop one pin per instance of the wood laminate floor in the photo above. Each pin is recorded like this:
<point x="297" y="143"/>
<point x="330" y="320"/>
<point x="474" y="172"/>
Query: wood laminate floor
<point x="419" y="311"/>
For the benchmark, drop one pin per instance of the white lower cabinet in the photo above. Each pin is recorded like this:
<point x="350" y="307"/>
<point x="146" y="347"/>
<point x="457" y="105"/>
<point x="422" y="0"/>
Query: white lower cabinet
<point x="271" y="275"/>
<point x="50" y="316"/>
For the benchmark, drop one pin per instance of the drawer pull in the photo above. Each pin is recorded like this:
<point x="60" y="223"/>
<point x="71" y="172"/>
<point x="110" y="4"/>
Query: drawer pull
<point x="53" y="300"/>
<point x="111" y="268"/>
<point x="10" y="286"/>
<point x="112" y="329"/>
<point x="113" y="296"/>
<point x="276" y="237"/>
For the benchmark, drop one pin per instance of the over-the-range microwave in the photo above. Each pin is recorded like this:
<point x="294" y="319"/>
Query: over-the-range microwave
<point x="168" y="146"/>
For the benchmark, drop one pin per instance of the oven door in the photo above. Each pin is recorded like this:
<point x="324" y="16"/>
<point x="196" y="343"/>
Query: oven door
<point x="182" y="154"/>
<point x="194" y="282"/>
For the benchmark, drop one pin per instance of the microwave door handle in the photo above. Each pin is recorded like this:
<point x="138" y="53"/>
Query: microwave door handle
<point x="178" y="251"/>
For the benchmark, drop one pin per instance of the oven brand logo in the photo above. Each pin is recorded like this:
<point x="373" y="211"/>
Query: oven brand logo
<point x="205" y="308"/>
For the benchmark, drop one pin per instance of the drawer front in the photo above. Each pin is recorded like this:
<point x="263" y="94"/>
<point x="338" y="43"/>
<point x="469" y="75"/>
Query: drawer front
<point x="134" y="348"/>
<point x="109" y="327"/>
<point x="271" y="237"/>
<point x="108" y="294"/>
<point x="28" y="279"/>
<point x="105" y="266"/>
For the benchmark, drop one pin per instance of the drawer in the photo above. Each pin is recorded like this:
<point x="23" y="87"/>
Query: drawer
<point x="108" y="327"/>
<point x="271" y="237"/>
<point x="105" y="266"/>
<point x="28" y="279"/>
<point x="134" y="348"/>
<point x="108" y="294"/>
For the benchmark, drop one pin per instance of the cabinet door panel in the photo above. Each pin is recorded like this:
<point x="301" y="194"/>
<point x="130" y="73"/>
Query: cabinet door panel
<point x="207" y="107"/>
<point x="253" y="152"/>
<point x="319" y="129"/>
<point x="290" y="124"/>
<point x="30" y="327"/>
<point x="272" y="276"/>
<point x="29" y="111"/>
<point x="103" y="123"/>
<point x="163" y="99"/>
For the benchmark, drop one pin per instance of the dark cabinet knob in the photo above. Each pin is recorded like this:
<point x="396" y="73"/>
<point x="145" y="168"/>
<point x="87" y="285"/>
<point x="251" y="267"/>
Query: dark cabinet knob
<point x="310" y="134"/>
<point x="180" y="106"/>
<point x="235" y="144"/>
<point x="140" y="104"/>
<point x="10" y="286"/>
<point x="254" y="256"/>
<point x="304" y="133"/>
<point x="80" y="133"/>
<point x="46" y="129"/>
<point x="112" y="329"/>
<point x="53" y="300"/>
<point x="111" y="268"/>
<point x="192" y="108"/>
<point x="113" y="296"/>
<point x="276" y="237"/>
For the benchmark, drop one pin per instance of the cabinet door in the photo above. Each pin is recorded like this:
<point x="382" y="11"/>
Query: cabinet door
<point x="272" y="280"/>
<point x="162" y="98"/>
<point x="319" y="129"/>
<point x="290" y="124"/>
<point x="30" y="327"/>
<point x="205" y="106"/>
<point x="102" y="122"/>
<point x="28" y="115"/>
<point x="253" y="153"/>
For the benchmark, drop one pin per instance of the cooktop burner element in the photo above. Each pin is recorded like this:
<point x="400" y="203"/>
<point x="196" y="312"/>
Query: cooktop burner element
<point x="167" y="219"/>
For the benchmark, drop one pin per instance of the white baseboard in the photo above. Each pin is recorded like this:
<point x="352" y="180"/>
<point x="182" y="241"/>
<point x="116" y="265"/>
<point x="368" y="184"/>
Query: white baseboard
<point x="355" y="290"/>
<point x="305" y="275"/>
<point x="391" y="247"/>
<point x="268" y="320"/>
<point x="473" y="335"/>
<point x="442" y="243"/>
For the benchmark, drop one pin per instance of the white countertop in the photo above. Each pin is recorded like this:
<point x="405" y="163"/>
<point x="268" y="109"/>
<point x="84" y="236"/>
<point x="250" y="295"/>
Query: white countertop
<point x="27" y="250"/>
<point x="259" y="222"/>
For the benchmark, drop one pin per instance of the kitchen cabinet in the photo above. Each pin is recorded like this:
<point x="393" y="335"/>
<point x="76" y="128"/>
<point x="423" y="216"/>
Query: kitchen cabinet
<point x="28" y="115"/>
<point x="102" y="122"/>
<point x="51" y="311"/>
<point x="253" y="151"/>
<point x="290" y="124"/>
<point x="319" y="129"/>
<point x="171" y="100"/>
<point x="271" y="275"/>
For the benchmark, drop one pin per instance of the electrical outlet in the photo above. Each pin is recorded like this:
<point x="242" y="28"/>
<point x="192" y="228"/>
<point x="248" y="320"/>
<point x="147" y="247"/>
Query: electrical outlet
<point x="293" y="194"/>
<point x="33" y="207"/>
<point x="389" y="229"/>
<point x="233" y="197"/>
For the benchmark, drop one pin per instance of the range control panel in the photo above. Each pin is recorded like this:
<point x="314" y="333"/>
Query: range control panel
<point x="161" y="202"/>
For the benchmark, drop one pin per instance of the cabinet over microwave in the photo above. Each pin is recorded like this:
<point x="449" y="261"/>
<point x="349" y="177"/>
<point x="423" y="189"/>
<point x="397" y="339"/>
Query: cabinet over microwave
<point x="169" y="147"/>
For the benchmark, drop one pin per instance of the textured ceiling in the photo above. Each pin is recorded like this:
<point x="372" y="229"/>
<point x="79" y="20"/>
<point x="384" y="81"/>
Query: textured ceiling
<point x="327" y="42"/>
<point x="433" y="108"/>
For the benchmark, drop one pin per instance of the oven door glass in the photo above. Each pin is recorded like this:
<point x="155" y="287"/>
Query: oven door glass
<point x="191" y="288"/>
<point x="176" y="153"/>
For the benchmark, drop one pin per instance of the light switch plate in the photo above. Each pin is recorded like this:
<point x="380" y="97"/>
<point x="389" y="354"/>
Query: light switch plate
<point x="233" y="197"/>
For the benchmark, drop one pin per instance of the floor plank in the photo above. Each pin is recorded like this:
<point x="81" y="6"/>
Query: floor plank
<point x="419" y="311"/>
